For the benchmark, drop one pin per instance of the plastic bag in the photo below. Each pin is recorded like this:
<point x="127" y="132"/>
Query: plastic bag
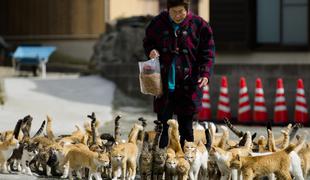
<point x="150" y="79"/>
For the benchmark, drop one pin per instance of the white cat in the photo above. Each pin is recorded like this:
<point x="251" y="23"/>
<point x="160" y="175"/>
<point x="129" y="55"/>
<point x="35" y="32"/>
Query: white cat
<point x="197" y="156"/>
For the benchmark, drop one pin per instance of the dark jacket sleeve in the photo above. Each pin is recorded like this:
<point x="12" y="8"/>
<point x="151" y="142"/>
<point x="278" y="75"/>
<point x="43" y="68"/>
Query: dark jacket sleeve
<point x="149" y="39"/>
<point x="206" y="51"/>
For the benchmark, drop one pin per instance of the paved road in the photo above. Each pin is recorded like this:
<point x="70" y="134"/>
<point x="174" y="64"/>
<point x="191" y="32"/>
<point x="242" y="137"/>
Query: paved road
<point x="68" y="99"/>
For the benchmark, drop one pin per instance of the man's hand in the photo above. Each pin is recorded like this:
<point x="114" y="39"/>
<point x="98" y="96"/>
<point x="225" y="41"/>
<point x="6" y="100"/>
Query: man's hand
<point x="203" y="81"/>
<point x="154" y="54"/>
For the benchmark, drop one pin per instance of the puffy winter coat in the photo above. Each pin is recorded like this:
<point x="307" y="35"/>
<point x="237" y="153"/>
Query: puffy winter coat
<point x="193" y="47"/>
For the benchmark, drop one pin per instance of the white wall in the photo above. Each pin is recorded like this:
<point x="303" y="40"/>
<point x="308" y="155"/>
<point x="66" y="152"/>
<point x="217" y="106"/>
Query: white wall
<point x="204" y="9"/>
<point x="127" y="8"/>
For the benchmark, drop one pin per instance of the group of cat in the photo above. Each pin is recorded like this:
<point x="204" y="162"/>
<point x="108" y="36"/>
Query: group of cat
<point x="213" y="155"/>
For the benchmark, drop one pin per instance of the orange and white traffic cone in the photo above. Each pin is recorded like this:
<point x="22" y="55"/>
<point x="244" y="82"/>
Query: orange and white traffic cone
<point x="280" y="110"/>
<point x="244" y="111"/>
<point x="301" y="111"/>
<point x="223" y="108"/>
<point x="260" y="110"/>
<point x="205" y="112"/>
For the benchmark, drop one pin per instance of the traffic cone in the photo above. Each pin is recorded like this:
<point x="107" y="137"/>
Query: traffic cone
<point x="260" y="110"/>
<point x="280" y="110"/>
<point x="244" y="111"/>
<point x="205" y="113"/>
<point x="301" y="111"/>
<point x="223" y="108"/>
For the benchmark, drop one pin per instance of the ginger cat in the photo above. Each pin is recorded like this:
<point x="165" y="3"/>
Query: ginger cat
<point x="176" y="161"/>
<point x="171" y="165"/>
<point x="304" y="155"/>
<point x="223" y="157"/>
<point x="124" y="156"/>
<point x="79" y="158"/>
<point x="6" y="150"/>
<point x="277" y="163"/>
<point x="174" y="138"/>
<point x="183" y="168"/>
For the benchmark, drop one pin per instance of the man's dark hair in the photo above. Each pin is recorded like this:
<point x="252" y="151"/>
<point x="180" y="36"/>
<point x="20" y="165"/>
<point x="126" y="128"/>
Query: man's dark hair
<point x="173" y="3"/>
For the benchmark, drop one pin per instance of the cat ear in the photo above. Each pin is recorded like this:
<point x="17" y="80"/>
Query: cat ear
<point x="36" y="144"/>
<point x="185" y="141"/>
<point x="62" y="143"/>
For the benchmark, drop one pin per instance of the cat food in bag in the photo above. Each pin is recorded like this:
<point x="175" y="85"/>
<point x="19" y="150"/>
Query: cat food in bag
<point x="150" y="79"/>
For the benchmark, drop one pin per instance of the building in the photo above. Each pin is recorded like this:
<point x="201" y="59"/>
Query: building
<point x="254" y="38"/>
<point x="72" y="25"/>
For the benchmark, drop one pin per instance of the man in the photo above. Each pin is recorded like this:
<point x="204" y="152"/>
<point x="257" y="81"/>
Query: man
<point x="185" y="47"/>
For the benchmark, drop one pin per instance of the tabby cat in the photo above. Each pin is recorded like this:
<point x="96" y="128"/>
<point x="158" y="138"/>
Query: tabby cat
<point x="159" y="154"/>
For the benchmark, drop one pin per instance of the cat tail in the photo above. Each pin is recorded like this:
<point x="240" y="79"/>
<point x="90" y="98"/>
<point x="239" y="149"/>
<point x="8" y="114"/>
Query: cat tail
<point x="248" y="142"/>
<point x="17" y="128"/>
<point x="233" y="128"/>
<point x="87" y="128"/>
<point x="224" y="138"/>
<point x="117" y="134"/>
<point x="78" y="128"/>
<point x="142" y="133"/>
<point x="290" y="148"/>
<point x="158" y="129"/>
<point x="93" y="129"/>
<point x="49" y="131"/>
<point x="40" y="130"/>
<point x="295" y="128"/>
<point x="26" y="126"/>
<point x="208" y="138"/>
<point x="145" y="146"/>
<point x="133" y="135"/>
<point x="301" y="141"/>
<point x="271" y="142"/>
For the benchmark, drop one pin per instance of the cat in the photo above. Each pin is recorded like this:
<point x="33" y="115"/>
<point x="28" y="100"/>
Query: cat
<point x="61" y="157"/>
<point x="18" y="156"/>
<point x="277" y="163"/>
<point x="171" y="165"/>
<point x="183" y="168"/>
<point x="79" y="158"/>
<point x="223" y="157"/>
<point x="146" y="160"/>
<point x="197" y="156"/>
<point x="295" y="160"/>
<point x="6" y="150"/>
<point x="28" y="153"/>
<point x="159" y="154"/>
<point x="124" y="156"/>
<point x="175" y="162"/>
